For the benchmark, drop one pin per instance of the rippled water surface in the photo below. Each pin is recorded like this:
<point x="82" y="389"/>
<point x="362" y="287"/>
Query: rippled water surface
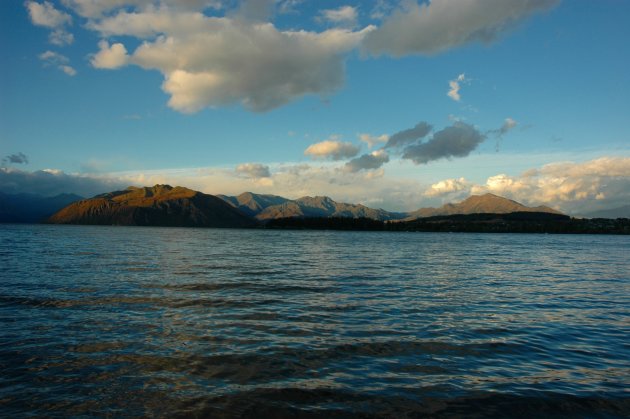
<point x="124" y="321"/>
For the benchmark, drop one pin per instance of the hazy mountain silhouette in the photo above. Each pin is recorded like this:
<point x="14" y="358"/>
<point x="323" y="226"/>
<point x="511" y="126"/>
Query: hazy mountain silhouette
<point x="620" y="212"/>
<point x="160" y="205"/>
<point x="479" y="204"/>
<point x="31" y="208"/>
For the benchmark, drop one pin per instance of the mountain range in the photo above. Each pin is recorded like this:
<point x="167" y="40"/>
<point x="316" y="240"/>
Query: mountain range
<point x="164" y="205"/>
<point x="269" y="207"/>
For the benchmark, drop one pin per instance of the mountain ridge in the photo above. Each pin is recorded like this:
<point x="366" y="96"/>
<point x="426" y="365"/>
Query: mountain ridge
<point x="179" y="206"/>
<point x="160" y="205"/>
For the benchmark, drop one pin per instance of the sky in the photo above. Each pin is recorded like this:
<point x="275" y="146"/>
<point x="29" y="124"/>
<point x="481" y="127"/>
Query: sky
<point x="395" y="104"/>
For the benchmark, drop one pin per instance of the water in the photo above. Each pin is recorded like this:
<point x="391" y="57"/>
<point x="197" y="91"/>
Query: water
<point x="128" y="321"/>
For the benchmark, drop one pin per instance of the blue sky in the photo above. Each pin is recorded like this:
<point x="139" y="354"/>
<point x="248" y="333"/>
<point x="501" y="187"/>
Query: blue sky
<point x="228" y="96"/>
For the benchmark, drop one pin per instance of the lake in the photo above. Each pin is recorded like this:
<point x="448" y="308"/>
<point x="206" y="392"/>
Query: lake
<point x="137" y="321"/>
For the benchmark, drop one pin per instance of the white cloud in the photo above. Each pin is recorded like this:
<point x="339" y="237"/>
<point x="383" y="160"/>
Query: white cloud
<point x="573" y="187"/>
<point x="372" y="140"/>
<point x="371" y="161"/>
<point x="60" y="37"/>
<point x="98" y="8"/>
<point x="110" y="57"/>
<point x="68" y="70"/>
<point x="45" y="14"/>
<point x="253" y="170"/>
<point x="59" y="61"/>
<point x="332" y="149"/>
<point x="455" y="86"/>
<point x="429" y="28"/>
<point x="448" y="187"/>
<point x="344" y="16"/>
<point x="211" y="61"/>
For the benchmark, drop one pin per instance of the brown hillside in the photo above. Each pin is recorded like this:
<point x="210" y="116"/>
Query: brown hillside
<point x="160" y="205"/>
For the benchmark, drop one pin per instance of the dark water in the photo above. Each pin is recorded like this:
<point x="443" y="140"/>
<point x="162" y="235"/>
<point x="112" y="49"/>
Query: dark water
<point x="123" y="321"/>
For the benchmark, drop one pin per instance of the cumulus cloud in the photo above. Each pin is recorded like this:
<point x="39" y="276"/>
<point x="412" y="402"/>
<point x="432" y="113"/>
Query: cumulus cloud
<point x="372" y="140"/>
<point x="410" y="135"/>
<point x="574" y="188"/>
<point x="110" y="57"/>
<point x="19" y="158"/>
<point x="448" y="187"/>
<point x="429" y="28"/>
<point x="455" y="86"/>
<point x="253" y="170"/>
<point x="45" y="14"/>
<point x="332" y="149"/>
<point x="371" y="161"/>
<point x="458" y="140"/>
<point x="59" y="61"/>
<point x="217" y="61"/>
<point x="343" y="16"/>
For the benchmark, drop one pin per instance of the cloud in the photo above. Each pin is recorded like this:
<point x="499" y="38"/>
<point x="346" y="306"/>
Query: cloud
<point x="54" y="182"/>
<point x="253" y="170"/>
<point x="45" y="14"/>
<point x="110" y="57"/>
<point x="448" y="187"/>
<point x="371" y="140"/>
<point x="408" y="136"/>
<point x="59" y="61"/>
<point x="343" y="16"/>
<point x="454" y="85"/>
<point x="381" y="9"/>
<point x="457" y="140"/>
<point x="575" y="188"/>
<point x="439" y="25"/>
<point x="219" y="61"/>
<point x="97" y="8"/>
<point x="371" y="161"/>
<point x="332" y="149"/>
<point x="60" y="37"/>
<point x="508" y="125"/>
<point x="19" y="158"/>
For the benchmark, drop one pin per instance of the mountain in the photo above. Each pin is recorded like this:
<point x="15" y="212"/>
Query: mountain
<point x="621" y="212"/>
<point x="31" y="208"/>
<point x="252" y="204"/>
<point x="270" y="207"/>
<point x="160" y="205"/>
<point x="479" y="204"/>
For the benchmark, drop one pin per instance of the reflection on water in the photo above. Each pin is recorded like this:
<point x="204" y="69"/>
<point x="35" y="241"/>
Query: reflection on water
<point x="176" y="322"/>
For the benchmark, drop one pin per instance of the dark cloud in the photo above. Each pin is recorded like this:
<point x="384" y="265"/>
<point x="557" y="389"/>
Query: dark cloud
<point x="436" y="26"/>
<point x="410" y="135"/>
<point x="55" y="182"/>
<point x="454" y="141"/>
<point x="19" y="158"/>
<point x="370" y="161"/>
